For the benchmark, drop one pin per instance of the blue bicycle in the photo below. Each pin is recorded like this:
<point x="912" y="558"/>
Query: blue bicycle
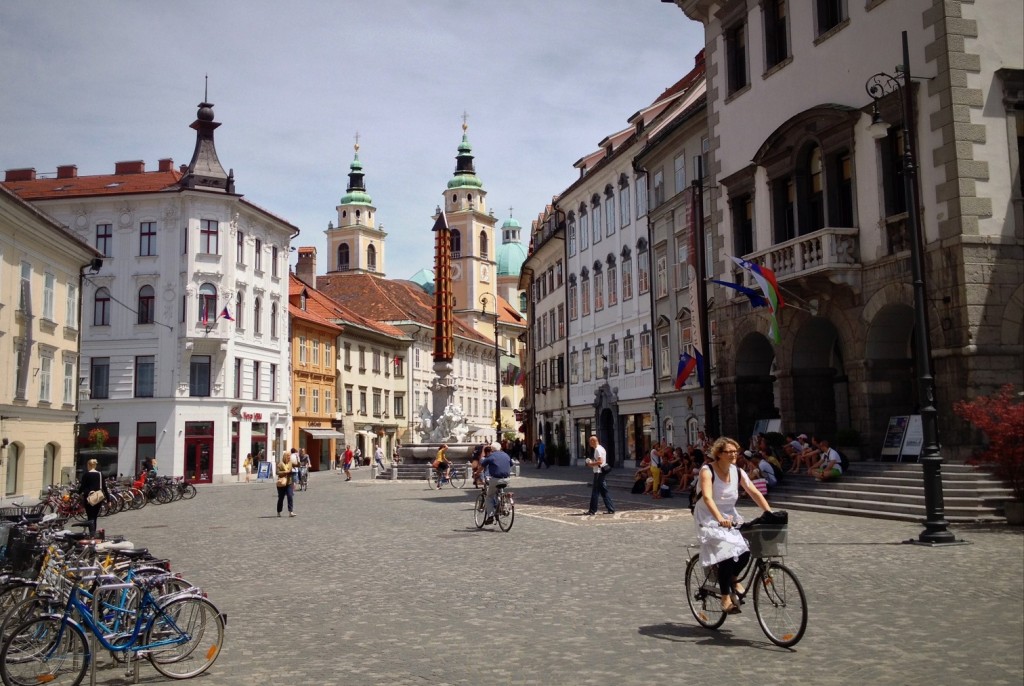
<point x="180" y="634"/>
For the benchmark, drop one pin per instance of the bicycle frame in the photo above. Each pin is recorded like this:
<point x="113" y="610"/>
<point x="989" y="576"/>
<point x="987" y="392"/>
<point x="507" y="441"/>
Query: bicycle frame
<point x="148" y="612"/>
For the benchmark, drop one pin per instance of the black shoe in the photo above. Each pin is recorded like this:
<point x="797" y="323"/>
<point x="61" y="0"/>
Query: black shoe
<point x="489" y="520"/>
<point x="589" y="514"/>
<point x="609" y="511"/>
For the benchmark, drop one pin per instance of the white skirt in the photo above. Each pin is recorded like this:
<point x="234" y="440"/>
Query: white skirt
<point x="718" y="543"/>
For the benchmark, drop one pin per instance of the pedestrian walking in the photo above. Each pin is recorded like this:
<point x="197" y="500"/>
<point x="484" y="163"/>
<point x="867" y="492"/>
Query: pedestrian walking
<point x="598" y="462"/>
<point x="284" y="485"/>
<point x="92" y="481"/>
<point x="541" y="453"/>
<point x="346" y="462"/>
<point x="247" y="466"/>
<point x="378" y="456"/>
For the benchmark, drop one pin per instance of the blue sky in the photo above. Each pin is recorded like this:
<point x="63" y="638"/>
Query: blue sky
<point x="91" y="83"/>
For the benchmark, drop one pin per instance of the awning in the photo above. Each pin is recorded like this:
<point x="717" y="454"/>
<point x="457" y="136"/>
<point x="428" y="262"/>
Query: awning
<point x="324" y="433"/>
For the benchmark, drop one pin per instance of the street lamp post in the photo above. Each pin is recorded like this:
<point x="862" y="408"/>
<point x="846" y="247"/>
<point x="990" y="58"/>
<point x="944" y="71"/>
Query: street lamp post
<point x="497" y="366"/>
<point x="879" y="86"/>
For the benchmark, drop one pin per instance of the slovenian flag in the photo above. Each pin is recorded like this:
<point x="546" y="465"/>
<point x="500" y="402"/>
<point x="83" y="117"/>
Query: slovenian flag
<point x="687" y="363"/>
<point x="755" y="298"/>
<point x="765" y="278"/>
<point x="224" y="314"/>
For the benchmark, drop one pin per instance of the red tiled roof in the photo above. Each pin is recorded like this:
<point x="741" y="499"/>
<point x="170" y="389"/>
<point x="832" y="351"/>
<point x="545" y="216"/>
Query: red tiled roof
<point x="104" y="184"/>
<point x="388" y="300"/>
<point x="323" y="307"/>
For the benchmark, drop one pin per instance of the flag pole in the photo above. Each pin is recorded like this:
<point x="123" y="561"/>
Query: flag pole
<point x="710" y="426"/>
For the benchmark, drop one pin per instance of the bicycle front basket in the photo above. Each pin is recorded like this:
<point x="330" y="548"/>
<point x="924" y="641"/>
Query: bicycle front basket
<point x="766" y="541"/>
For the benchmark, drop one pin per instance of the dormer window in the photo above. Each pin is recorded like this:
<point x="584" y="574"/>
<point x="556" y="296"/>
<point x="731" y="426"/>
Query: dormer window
<point x="302" y="300"/>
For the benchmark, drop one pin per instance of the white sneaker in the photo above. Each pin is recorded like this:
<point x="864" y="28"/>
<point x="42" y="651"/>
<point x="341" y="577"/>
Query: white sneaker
<point x="291" y="514"/>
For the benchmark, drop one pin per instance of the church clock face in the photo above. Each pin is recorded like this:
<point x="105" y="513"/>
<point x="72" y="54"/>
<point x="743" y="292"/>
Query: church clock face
<point x="456" y="271"/>
<point x="485" y="272"/>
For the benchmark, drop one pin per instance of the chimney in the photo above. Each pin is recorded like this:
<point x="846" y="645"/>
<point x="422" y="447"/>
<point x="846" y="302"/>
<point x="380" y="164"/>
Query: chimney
<point x="67" y="171"/>
<point x="130" y="167"/>
<point x="305" y="266"/>
<point x="166" y="164"/>
<point x="183" y="169"/>
<point x="20" y="175"/>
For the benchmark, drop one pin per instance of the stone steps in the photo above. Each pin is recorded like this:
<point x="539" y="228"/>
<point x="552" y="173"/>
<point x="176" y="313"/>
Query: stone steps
<point x="884" y="491"/>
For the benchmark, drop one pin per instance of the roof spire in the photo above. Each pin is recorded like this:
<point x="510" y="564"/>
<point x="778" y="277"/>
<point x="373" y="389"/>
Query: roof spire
<point x="356" y="192"/>
<point x="465" y="174"/>
<point x="205" y="171"/>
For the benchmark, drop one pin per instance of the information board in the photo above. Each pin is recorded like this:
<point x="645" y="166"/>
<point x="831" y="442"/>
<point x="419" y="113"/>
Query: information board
<point x="264" y="471"/>
<point x="894" y="434"/>
<point x="913" y="438"/>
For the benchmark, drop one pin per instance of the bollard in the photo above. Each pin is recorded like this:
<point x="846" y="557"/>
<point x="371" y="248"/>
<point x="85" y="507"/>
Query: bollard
<point x="373" y="472"/>
<point x="394" y="472"/>
<point x="516" y="469"/>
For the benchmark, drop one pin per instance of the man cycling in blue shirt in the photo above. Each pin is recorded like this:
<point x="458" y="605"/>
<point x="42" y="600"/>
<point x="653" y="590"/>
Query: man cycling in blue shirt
<point x="497" y="468"/>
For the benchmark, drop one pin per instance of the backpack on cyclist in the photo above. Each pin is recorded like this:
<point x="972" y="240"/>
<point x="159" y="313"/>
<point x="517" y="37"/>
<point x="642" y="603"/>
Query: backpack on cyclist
<point x="695" y="489"/>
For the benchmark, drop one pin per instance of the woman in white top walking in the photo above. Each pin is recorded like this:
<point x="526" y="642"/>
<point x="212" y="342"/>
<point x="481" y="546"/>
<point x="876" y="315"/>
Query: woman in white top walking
<point x="717" y="518"/>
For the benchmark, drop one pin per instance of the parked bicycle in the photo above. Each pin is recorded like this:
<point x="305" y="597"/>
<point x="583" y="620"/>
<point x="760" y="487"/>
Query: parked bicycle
<point x="180" y="634"/>
<point x="456" y="477"/>
<point x="504" y="508"/>
<point x="779" y="600"/>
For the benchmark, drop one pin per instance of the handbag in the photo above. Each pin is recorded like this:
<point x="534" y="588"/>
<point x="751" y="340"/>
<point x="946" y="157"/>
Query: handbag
<point x="95" y="497"/>
<point x="282" y="481"/>
<point x="605" y="468"/>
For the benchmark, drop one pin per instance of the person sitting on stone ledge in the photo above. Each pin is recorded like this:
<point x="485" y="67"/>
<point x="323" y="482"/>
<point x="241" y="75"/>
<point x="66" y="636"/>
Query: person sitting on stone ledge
<point x="807" y="456"/>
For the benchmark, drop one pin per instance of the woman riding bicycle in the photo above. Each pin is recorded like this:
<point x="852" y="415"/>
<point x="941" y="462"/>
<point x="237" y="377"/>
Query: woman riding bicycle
<point x="718" y="520"/>
<point x="441" y="463"/>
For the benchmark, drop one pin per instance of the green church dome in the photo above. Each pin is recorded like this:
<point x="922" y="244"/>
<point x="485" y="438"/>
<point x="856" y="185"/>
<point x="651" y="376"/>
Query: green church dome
<point x="511" y="257"/>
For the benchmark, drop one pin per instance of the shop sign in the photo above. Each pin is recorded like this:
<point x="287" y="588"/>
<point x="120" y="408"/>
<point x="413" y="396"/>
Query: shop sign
<point x="239" y="413"/>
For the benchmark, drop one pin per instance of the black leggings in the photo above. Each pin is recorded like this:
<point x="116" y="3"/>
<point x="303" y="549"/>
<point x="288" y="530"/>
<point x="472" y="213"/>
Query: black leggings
<point x="729" y="571"/>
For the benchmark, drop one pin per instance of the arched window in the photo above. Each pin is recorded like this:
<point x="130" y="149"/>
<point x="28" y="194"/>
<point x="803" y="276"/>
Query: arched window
<point x="812" y="207"/>
<point x="273" y="319"/>
<point x="101" y="309"/>
<point x="239" y="310"/>
<point x="456" y="244"/>
<point x="49" y="464"/>
<point x="371" y="258"/>
<point x="147" y="301"/>
<point x="572" y="233"/>
<point x="483" y="245"/>
<point x="207" y="303"/>
<point x="257" y="311"/>
<point x="343" y="257"/>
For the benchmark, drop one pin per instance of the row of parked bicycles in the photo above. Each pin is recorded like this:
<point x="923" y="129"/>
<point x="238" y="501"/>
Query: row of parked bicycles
<point x="65" y="597"/>
<point x="66" y="503"/>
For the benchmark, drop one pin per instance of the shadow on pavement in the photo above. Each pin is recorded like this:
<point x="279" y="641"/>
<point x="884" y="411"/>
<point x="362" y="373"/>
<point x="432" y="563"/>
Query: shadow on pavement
<point x="680" y="633"/>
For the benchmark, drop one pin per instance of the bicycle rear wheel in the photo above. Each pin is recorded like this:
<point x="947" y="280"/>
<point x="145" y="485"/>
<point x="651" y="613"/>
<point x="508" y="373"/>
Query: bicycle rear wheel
<point x="780" y="604"/>
<point x="44" y="650"/>
<point x="189" y="492"/>
<point x="478" y="511"/>
<point x="702" y="594"/>
<point x="458" y="478"/>
<point x="505" y="512"/>
<point x="434" y="481"/>
<point x="185" y="638"/>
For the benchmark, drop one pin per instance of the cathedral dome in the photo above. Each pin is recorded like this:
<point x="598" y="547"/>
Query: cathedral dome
<point x="511" y="257"/>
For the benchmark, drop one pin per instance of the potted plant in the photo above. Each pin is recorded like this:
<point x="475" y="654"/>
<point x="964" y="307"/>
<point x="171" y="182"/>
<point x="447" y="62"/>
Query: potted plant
<point x="1000" y="417"/>
<point x="98" y="437"/>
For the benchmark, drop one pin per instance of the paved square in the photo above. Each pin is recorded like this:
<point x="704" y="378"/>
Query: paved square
<point x="390" y="583"/>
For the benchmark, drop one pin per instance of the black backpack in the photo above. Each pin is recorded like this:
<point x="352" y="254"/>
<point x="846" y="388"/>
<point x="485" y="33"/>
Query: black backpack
<point x="844" y="462"/>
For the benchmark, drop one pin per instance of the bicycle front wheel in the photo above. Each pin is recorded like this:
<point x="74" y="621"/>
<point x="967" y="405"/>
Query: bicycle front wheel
<point x="189" y="492"/>
<point x="185" y="637"/>
<point x="702" y="594"/>
<point x="44" y="650"/>
<point x="478" y="511"/>
<point x="458" y="478"/>
<point x="780" y="604"/>
<point x="505" y="512"/>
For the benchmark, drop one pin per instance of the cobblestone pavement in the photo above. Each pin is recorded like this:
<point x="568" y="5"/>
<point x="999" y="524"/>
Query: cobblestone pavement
<point x="390" y="583"/>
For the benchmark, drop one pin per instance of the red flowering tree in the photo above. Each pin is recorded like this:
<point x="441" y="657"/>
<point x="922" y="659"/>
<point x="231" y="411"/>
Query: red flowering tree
<point x="1001" y="417"/>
